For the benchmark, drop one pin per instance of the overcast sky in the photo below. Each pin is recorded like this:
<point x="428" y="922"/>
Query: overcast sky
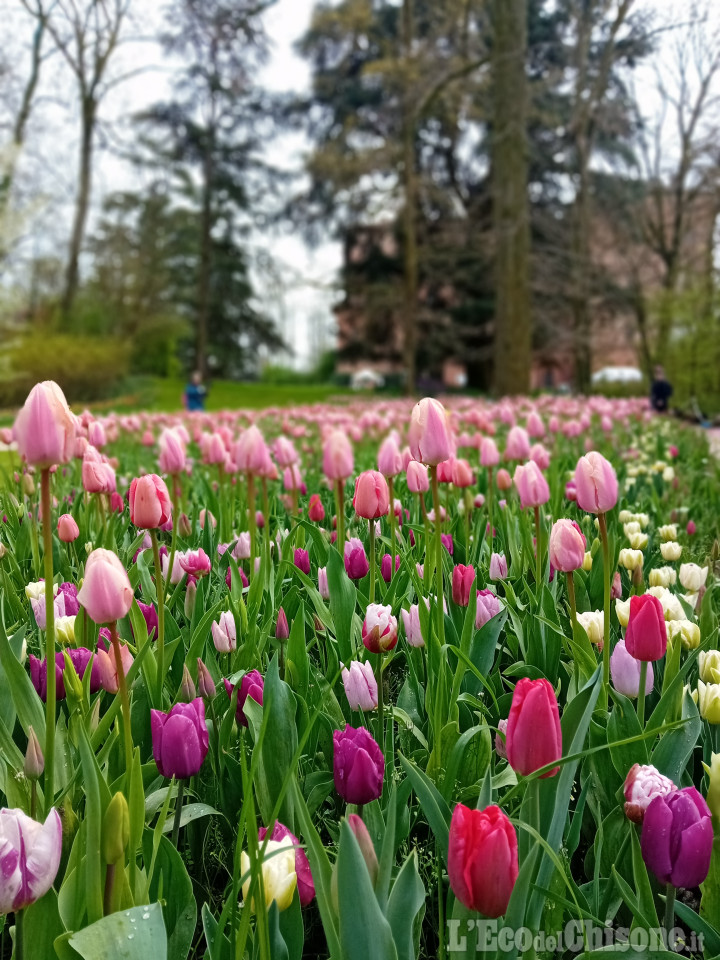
<point x="50" y="162"/>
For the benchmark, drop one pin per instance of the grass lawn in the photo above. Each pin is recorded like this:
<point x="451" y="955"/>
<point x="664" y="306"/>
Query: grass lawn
<point x="161" y="395"/>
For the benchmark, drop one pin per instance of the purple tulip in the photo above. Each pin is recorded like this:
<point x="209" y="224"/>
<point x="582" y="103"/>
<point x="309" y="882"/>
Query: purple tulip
<point x="625" y="672"/>
<point x="356" y="561"/>
<point x="386" y="570"/>
<point x="447" y="542"/>
<point x="180" y="739"/>
<point x="29" y="858"/>
<point x="69" y="590"/>
<point x="80" y="658"/>
<point x="251" y="686"/>
<point x="243" y="577"/>
<point x="151" y="618"/>
<point x="301" y="559"/>
<point x="677" y="838"/>
<point x="305" y="885"/>
<point x="358" y="765"/>
<point x="488" y="606"/>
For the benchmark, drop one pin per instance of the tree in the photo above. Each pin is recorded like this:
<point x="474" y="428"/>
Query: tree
<point x="87" y="34"/>
<point x="210" y="138"/>
<point x="513" y="331"/>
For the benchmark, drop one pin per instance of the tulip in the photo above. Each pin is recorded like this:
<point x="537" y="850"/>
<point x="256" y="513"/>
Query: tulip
<point x="691" y="528"/>
<point x="642" y="784"/>
<point x="593" y="623"/>
<point x="411" y="623"/>
<point x="305" y="885"/>
<point x="278" y="873"/>
<point x="567" y="546"/>
<point x="692" y="576"/>
<point x="365" y="843"/>
<point x="180" y="739"/>
<point x="662" y="577"/>
<point x="646" y="635"/>
<point x="371" y="498"/>
<point x="677" y="838"/>
<point x="625" y="672"/>
<point x="386" y="566"/>
<point x="389" y="457"/>
<point x="417" y="477"/>
<point x="631" y="560"/>
<point x="534" y="738"/>
<point x="498" y="567"/>
<point x="503" y="479"/>
<point x="338" y="463"/>
<point x="356" y="561"/>
<point x="361" y="688"/>
<point x="97" y="476"/>
<point x="250" y="453"/>
<point x="251" y="686"/>
<point x="206" y="684"/>
<point x="463" y="579"/>
<point x="670" y="550"/>
<point x="323" y="587"/>
<point x="429" y="435"/>
<point x="488" y="606"/>
<point x="115" y="829"/>
<point x="379" y="629"/>
<point x="45" y="428"/>
<point x="316" y="511"/>
<point x="482" y="859"/>
<point x="531" y="485"/>
<point x="106" y="593"/>
<point x="517" y="446"/>
<point x="282" y="630"/>
<point x="596" y="483"/>
<point x="301" y="559"/>
<point x="713" y="795"/>
<point x="224" y="633"/>
<point x="358" y="765"/>
<point x="34" y="763"/>
<point x="708" y="701"/>
<point x="29" y="858"/>
<point x="150" y="504"/>
<point x="172" y="458"/>
<point x="489" y="454"/>
<point x="195" y="562"/>
<point x="709" y="666"/>
<point x="462" y="475"/>
<point x="68" y="530"/>
<point x="688" y="632"/>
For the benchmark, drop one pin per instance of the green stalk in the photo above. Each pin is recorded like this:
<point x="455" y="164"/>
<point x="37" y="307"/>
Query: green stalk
<point x="381" y="701"/>
<point x="438" y="557"/>
<point x="160" y="584"/>
<point x="124" y="700"/>
<point x="372" y="560"/>
<point x="19" y="952"/>
<point x="571" y="598"/>
<point x="266" y="528"/>
<point x="340" y="514"/>
<point x="538" y="556"/>
<point x="441" y="902"/>
<point x="392" y="527"/>
<point x="607" y="575"/>
<point x="490" y="504"/>
<point x="49" y="641"/>
<point x="178" y="812"/>
<point x="251" y="519"/>
<point x="641" y="693"/>
<point x="669" y="909"/>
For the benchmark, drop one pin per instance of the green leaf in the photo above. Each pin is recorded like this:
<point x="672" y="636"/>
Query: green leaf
<point x="171" y="885"/>
<point x="622" y="725"/>
<point x="343" y="599"/>
<point x="190" y="812"/>
<point x="433" y="804"/>
<point x="94" y="810"/>
<point x="136" y="934"/>
<point x="298" y="662"/>
<point x="671" y="755"/>
<point x="364" y="931"/>
<point x="406" y="908"/>
<point x="27" y="703"/>
<point x="43" y="925"/>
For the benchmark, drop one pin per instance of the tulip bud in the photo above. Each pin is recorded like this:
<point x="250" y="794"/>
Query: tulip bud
<point x="206" y="684"/>
<point x="482" y="859"/>
<point x="68" y="530"/>
<point x="533" y="737"/>
<point x="713" y="794"/>
<point x="34" y="759"/>
<point x="190" y="594"/>
<point x="184" y="527"/>
<point x="282" y="630"/>
<point x="365" y="843"/>
<point x="642" y="784"/>
<point x="116" y="829"/>
<point x="187" y="692"/>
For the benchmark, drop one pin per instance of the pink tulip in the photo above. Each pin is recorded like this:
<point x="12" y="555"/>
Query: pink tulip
<point x="389" y="457"/>
<point x="360" y="686"/>
<point x="567" y="546"/>
<point x="531" y="485"/>
<point x="150" y="504"/>
<point x="489" y="453"/>
<point x="250" y="452"/>
<point x="429" y="435"/>
<point x="596" y="483"/>
<point x="518" y="444"/>
<point x="29" y="859"/>
<point x="106" y="593"/>
<point x="462" y="475"/>
<point x="68" y="530"/>
<point x="417" y="477"/>
<point x="45" y="428"/>
<point x="338" y="463"/>
<point x="503" y="479"/>
<point x="371" y="498"/>
<point x="172" y="457"/>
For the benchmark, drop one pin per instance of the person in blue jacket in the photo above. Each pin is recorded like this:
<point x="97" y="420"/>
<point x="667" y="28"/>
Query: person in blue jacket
<point x="195" y="393"/>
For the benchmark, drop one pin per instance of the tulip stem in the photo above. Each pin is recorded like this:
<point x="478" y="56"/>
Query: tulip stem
<point x="124" y="698"/>
<point x="33" y="799"/>
<point x="438" y="557"/>
<point x="607" y="576"/>
<point x="669" y="909"/>
<point x="538" y="555"/>
<point x="251" y="518"/>
<point x="49" y="641"/>
<point x="392" y="527"/>
<point x="441" y="903"/>
<point x="371" y="551"/>
<point x="340" y="515"/>
<point x="381" y="700"/>
<point x="571" y="599"/>
<point x="109" y="884"/>
<point x="161" y="614"/>
<point x="490" y="504"/>
<point x="266" y="516"/>
<point x="178" y="812"/>
<point x="641" y="693"/>
<point x="19" y="952"/>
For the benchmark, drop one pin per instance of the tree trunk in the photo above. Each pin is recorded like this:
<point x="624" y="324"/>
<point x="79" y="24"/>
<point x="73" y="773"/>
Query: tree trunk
<point x="513" y="330"/>
<point x="203" y="315"/>
<point x="582" y="325"/>
<point x="410" y="253"/>
<point x="82" y="204"/>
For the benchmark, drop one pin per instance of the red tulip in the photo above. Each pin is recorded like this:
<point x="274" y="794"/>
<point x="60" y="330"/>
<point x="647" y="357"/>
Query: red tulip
<point x="646" y="634"/>
<point x="482" y="859"/>
<point x="534" y="738"/>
